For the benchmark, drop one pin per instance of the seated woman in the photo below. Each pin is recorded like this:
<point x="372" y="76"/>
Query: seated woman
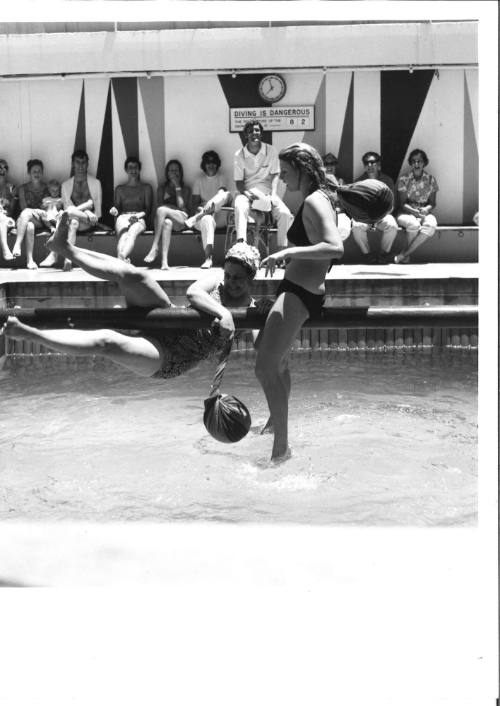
<point x="174" y="199"/>
<point x="160" y="354"/>
<point x="210" y="194"/>
<point x="7" y="202"/>
<point x="417" y="198"/>
<point x="132" y="208"/>
<point x="33" y="214"/>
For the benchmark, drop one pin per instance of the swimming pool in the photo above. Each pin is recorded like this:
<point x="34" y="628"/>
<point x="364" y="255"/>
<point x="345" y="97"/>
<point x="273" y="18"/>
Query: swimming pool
<point x="378" y="440"/>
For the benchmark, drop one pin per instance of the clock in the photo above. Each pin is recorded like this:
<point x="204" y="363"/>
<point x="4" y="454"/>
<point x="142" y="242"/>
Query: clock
<point x="272" y="88"/>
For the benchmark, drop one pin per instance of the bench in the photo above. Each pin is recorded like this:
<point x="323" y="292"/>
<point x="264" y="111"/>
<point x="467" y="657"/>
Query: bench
<point x="451" y="243"/>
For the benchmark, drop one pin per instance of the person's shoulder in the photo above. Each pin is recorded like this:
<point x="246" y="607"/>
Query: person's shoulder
<point x="315" y="201"/>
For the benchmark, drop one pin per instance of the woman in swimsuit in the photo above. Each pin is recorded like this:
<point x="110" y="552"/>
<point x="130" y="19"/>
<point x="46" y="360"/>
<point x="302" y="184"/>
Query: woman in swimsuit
<point x="315" y="242"/>
<point x="160" y="354"/>
<point x="132" y="208"/>
<point x="174" y="204"/>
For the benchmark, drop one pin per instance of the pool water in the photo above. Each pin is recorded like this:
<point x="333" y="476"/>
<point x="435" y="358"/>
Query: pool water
<point x="379" y="439"/>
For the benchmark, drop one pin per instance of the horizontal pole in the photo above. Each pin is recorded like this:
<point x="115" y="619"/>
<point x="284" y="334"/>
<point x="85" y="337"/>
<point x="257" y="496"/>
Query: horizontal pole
<point x="465" y="316"/>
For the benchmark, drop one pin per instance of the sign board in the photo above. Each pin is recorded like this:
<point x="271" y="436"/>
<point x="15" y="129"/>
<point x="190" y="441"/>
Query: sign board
<point x="274" y="118"/>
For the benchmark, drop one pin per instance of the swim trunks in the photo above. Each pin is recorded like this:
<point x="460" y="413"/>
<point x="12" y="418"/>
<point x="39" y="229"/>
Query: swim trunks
<point x="312" y="302"/>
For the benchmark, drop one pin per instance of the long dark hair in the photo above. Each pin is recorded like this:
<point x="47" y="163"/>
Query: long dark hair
<point x="307" y="160"/>
<point x="181" y="170"/>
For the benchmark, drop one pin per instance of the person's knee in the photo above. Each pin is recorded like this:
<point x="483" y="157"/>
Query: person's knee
<point x="131" y="275"/>
<point x="30" y="229"/>
<point x="167" y="224"/>
<point x="107" y="341"/>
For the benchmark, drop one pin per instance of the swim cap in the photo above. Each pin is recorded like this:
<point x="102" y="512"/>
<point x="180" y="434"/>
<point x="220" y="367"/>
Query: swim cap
<point x="245" y="255"/>
<point x="226" y="418"/>
<point x="367" y="201"/>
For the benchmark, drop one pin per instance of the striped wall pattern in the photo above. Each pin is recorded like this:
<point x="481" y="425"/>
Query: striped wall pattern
<point x="161" y="118"/>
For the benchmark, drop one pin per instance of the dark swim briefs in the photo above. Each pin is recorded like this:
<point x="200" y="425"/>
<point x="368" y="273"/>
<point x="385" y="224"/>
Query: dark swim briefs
<point x="313" y="302"/>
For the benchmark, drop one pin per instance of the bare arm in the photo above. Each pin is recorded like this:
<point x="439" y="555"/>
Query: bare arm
<point x="198" y="295"/>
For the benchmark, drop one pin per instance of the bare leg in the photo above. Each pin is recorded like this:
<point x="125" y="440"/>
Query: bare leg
<point x="129" y="240"/>
<point x="284" y="321"/>
<point x="137" y="354"/>
<point x="7" y="255"/>
<point x="160" y="215"/>
<point x="30" y="243"/>
<point x="139" y="288"/>
<point x="21" y="225"/>
<point x="268" y="427"/>
<point x="73" y="225"/>
<point x="165" y="243"/>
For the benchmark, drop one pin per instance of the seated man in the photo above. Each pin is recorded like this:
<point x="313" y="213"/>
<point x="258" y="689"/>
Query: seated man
<point x="256" y="174"/>
<point x="388" y="226"/>
<point x="82" y="196"/>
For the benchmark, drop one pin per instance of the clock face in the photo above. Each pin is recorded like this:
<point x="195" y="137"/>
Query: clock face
<point x="272" y="88"/>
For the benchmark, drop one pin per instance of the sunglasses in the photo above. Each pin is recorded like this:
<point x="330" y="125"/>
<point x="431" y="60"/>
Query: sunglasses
<point x="371" y="161"/>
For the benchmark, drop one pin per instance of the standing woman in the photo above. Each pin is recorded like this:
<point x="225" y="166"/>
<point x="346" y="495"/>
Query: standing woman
<point x="174" y="199"/>
<point x="315" y="242"/>
<point x="417" y="198"/>
<point x="33" y="214"/>
<point x="132" y="208"/>
<point x="7" y="200"/>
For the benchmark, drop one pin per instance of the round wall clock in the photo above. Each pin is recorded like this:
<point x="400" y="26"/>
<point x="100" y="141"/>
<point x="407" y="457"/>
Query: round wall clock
<point x="272" y="88"/>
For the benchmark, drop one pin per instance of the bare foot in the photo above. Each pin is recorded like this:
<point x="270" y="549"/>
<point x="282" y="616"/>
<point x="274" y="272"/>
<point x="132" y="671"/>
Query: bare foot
<point x="58" y="241"/>
<point x="151" y="256"/>
<point x="68" y="265"/>
<point x="268" y="427"/>
<point x="8" y="256"/>
<point x="164" y="266"/>
<point x="281" y="457"/>
<point x="50" y="261"/>
<point x="13" y="328"/>
<point x="16" y="251"/>
<point x="31" y="265"/>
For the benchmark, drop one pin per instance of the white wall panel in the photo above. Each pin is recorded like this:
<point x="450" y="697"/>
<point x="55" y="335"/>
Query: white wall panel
<point x="439" y="132"/>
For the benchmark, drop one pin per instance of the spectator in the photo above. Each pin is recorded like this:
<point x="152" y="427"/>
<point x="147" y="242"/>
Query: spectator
<point x="82" y="198"/>
<point x="174" y="199"/>
<point x="330" y="161"/>
<point x="33" y="214"/>
<point x="132" y="208"/>
<point x="7" y="201"/>
<point x="210" y="194"/>
<point x="256" y="174"/>
<point x="387" y="225"/>
<point x="343" y="221"/>
<point x="417" y="198"/>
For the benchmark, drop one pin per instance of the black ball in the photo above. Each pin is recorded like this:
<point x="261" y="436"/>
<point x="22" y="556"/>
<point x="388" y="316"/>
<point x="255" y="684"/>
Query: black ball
<point x="226" y="418"/>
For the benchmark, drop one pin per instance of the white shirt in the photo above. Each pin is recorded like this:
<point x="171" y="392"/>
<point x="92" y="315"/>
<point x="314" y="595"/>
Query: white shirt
<point x="257" y="170"/>
<point x="207" y="186"/>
